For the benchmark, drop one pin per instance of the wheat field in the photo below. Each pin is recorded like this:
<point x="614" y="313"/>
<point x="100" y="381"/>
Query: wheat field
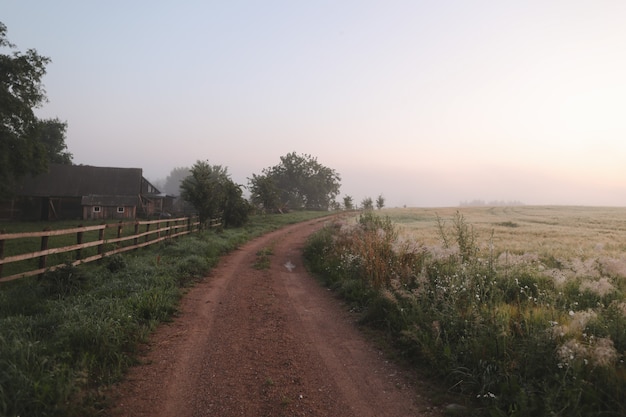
<point x="582" y="240"/>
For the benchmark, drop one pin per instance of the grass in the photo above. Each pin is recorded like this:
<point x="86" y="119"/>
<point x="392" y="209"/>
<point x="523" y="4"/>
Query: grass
<point x="67" y="335"/>
<point x="525" y="320"/>
<point x="263" y="258"/>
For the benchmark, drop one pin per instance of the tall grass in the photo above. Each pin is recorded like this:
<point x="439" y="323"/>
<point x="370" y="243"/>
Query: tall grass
<point x="508" y="335"/>
<point x="68" y="334"/>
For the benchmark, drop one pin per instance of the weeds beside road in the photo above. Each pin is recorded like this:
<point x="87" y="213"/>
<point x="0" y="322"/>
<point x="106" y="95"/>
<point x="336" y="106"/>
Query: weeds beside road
<point x="509" y="336"/>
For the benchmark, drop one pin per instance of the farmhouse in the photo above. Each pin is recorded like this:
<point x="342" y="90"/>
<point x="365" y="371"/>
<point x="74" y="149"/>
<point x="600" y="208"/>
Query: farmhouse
<point x="86" y="192"/>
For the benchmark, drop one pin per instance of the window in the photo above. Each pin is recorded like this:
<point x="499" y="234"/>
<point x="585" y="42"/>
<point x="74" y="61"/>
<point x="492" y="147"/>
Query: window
<point x="120" y="209"/>
<point x="97" y="209"/>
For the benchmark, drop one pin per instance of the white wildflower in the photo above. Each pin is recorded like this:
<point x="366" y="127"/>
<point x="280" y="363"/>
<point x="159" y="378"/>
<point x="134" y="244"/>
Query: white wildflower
<point x="600" y="287"/>
<point x="604" y="353"/>
<point x="571" y="350"/>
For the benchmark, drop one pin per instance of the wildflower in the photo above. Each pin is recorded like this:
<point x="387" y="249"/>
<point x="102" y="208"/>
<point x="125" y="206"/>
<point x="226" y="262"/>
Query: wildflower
<point x="580" y="320"/>
<point x="604" y="353"/>
<point x="571" y="350"/>
<point x="600" y="287"/>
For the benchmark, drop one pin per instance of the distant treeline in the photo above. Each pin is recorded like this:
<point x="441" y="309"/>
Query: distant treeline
<point x="479" y="203"/>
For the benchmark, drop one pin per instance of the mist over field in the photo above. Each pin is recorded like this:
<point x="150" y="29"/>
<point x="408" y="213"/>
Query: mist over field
<point x="426" y="103"/>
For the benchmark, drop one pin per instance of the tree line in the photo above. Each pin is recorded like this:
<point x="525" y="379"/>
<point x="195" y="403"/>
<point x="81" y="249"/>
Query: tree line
<point x="297" y="182"/>
<point x="28" y="144"/>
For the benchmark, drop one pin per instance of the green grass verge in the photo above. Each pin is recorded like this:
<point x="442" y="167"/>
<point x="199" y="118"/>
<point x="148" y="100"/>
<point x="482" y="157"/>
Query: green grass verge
<point x="67" y="335"/>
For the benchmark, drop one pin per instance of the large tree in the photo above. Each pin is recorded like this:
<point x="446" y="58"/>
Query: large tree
<point x="51" y="134"/>
<point x="26" y="142"/>
<point x="174" y="180"/>
<point x="213" y="193"/>
<point x="297" y="182"/>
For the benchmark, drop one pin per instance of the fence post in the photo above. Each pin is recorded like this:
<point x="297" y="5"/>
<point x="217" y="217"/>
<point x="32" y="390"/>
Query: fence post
<point x="119" y="233"/>
<point x="136" y="232"/>
<point x="79" y="241"/>
<point x="44" y="246"/>
<point x="1" y="251"/>
<point x="147" y="230"/>
<point x="101" y="239"/>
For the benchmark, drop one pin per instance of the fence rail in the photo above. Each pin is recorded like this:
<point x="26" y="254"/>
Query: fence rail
<point x="87" y="239"/>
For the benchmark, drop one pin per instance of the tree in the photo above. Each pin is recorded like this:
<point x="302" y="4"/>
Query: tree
<point x="264" y="193"/>
<point x="236" y="208"/>
<point x="212" y="192"/>
<point x="367" y="203"/>
<point x="348" y="203"/>
<point x="174" y="180"/>
<point x="51" y="133"/>
<point x="298" y="182"/>
<point x="26" y="143"/>
<point x="380" y="202"/>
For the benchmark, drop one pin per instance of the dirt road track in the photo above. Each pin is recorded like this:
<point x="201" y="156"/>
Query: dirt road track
<point x="269" y="342"/>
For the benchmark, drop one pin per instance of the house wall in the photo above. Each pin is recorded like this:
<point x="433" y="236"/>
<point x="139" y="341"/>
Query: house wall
<point x="43" y="208"/>
<point x="109" y="212"/>
<point x="61" y="208"/>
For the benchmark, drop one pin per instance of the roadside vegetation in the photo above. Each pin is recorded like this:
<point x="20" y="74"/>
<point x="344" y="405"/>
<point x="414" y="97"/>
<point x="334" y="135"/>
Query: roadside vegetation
<point x="68" y="334"/>
<point x="518" y="333"/>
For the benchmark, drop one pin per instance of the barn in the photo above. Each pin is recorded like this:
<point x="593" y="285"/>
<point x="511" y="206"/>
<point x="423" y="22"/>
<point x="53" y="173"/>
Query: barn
<point x="87" y="192"/>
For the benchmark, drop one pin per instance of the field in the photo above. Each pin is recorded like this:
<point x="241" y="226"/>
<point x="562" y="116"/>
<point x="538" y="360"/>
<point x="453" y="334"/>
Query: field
<point x="567" y="234"/>
<point x="521" y="308"/>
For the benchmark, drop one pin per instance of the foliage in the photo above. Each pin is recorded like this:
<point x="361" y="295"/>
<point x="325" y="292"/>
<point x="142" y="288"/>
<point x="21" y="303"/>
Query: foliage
<point x="367" y="203"/>
<point x="212" y="192"/>
<point x="20" y="92"/>
<point x="348" y="203"/>
<point x="51" y="133"/>
<point x="298" y="182"/>
<point x="26" y="143"/>
<point x="264" y="193"/>
<point x="464" y="235"/>
<point x="235" y="208"/>
<point x="380" y="202"/>
<point x="174" y="179"/>
<point x="510" y="339"/>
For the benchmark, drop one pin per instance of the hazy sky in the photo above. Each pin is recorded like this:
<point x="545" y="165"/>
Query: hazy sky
<point x="428" y="102"/>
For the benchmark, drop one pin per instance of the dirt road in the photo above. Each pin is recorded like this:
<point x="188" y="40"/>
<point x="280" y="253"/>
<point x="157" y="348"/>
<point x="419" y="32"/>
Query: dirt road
<point x="265" y="342"/>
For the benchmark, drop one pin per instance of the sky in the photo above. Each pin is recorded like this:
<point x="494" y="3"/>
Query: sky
<point x="427" y="103"/>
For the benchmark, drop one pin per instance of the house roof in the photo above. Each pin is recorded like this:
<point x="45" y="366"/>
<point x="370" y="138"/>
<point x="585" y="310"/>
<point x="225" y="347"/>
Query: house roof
<point x="80" y="180"/>
<point x="109" y="200"/>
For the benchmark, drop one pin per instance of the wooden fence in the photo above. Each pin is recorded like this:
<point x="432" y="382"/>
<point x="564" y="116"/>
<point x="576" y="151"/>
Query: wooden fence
<point x="91" y="243"/>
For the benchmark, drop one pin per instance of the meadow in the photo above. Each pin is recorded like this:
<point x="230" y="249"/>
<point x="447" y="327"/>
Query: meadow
<point x="521" y="309"/>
